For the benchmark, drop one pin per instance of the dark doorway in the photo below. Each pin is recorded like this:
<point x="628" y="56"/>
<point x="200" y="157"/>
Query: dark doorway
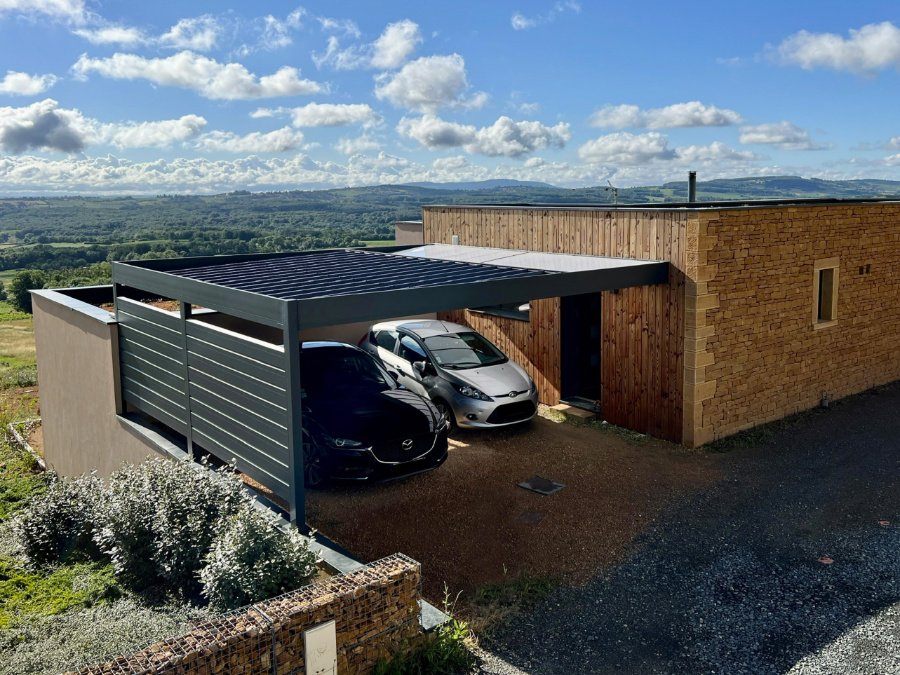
<point x="581" y="350"/>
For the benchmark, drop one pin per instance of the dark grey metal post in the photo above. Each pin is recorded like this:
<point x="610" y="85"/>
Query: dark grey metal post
<point x="185" y="311"/>
<point x="297" y="501"/>
<point x="692" y="186"/>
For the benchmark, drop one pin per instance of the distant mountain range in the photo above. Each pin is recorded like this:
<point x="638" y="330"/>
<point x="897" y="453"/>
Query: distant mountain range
<point x="480" y="184"/>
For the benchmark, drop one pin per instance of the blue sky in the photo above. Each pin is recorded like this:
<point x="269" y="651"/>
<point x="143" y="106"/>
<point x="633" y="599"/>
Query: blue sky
<point x="119" y="97"/>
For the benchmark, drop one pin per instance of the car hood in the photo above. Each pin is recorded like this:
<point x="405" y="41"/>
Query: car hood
<point x="372" y="418"/>
<point x="498" y="380"/>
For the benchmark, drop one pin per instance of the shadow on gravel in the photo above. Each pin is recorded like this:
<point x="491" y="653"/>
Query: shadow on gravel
<point x="731" y="580"/>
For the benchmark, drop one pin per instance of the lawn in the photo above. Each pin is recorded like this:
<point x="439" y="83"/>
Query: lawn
<point x="16" y="339"/>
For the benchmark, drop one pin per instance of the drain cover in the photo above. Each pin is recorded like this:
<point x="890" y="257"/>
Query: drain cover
<point x="541" y="485"/>
<point x="531" y="517"/>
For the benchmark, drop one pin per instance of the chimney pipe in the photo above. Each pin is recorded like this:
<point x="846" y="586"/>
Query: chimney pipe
<point x="692" y="186"/>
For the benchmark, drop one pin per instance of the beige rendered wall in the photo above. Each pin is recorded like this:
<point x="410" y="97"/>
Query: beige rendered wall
<point x="757" y="354"/>
<point x="77" y="359"/>
<point x="409" y="232"/>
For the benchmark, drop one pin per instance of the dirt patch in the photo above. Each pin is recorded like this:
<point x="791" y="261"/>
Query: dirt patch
<point x="464" y="522"/>
<point x="20" y="403"/>
<point x="36" y="440"/>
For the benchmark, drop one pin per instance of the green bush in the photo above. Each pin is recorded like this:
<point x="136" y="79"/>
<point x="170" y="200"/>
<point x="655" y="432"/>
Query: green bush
<point x="60" y="524"/>
<point x="160" y="520"/>
<point x="167" y="524"/>
<point x="21" y="283"/>
<point x="251" y="560"/>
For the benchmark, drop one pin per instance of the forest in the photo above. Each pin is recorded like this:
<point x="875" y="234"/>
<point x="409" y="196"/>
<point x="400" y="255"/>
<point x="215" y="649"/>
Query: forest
<point x="71" y="240"/>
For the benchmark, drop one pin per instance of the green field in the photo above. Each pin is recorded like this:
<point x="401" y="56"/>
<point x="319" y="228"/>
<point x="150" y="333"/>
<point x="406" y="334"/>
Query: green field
<point x="16" y="338"/>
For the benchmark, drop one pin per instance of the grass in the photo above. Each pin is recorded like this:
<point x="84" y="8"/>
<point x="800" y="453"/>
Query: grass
<point x="20" y="479"/>
<point x="18" y="365"/>
<point x="379" y="242"/>
<point x="495" y="604"/>
<point x="25" y="594"/>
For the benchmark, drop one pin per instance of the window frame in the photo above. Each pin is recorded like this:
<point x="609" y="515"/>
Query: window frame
<point x="825" y="298"/>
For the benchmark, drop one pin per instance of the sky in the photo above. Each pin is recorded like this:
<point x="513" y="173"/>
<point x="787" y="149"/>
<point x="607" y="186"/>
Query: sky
<point x="115" y="97"/>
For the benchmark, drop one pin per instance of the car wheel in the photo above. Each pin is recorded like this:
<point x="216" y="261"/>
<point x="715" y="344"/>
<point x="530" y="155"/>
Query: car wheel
<point x="314" y="474"/>
<point x="447" y="414"/>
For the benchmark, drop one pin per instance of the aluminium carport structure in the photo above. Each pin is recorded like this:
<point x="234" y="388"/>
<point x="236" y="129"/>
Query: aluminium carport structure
<point x="237" y="396"/>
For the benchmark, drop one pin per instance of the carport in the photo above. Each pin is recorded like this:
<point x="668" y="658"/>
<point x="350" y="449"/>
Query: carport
<point x="224" y="370"/>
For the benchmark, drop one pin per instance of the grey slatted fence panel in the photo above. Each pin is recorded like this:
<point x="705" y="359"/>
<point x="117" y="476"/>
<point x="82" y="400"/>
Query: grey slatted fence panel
<point x="151" y="352"/>
<point x="239" y="403"/>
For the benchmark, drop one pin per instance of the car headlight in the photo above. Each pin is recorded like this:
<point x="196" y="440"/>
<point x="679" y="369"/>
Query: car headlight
<point x="533" y="386"/>
<point x="347" y="443"/>
<point x="472" y="392"/>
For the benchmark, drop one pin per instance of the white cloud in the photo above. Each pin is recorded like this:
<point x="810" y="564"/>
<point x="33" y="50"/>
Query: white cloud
<point x="450" y="163"/>
<point x="428" y="84"/>
<point x="66" y="10"/>
<point x="690" y="114"/>
<point x="782" y="135"/>
<point x="352" y="146"/>
<point x="533" y="162"/>
<point x="521" y="22"/>
<point x="893" y="143"/>
<point x="151" y="134"/>
<point x="324" y="114"/>
<point x="23" y="84"/>
<point x="280" y="140"/>
<point x="345" y="26"/>
<point x="112" y="34"/>
<point x="389" y="51"/>
<point x="206" y="76"/>
<point x="199" y="34"/>
<point x="504" y="138"/>
<point x="626" y="149"/>
<point x="43" y="126"/>
<point x="868" y="49"/>
<point x="395" y="44"/>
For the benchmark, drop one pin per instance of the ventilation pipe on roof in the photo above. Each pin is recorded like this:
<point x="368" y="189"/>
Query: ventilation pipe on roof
<point x="692" y="186"/>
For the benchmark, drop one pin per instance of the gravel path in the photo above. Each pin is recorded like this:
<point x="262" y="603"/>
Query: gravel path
<point x="737" y="578"/>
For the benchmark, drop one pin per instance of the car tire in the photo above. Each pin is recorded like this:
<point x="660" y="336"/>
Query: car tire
<point x="447" y="413"/>
<point x="315" y="476"/>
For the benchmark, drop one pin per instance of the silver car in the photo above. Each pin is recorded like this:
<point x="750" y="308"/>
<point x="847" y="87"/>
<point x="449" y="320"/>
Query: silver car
<point x="470" y="381"/>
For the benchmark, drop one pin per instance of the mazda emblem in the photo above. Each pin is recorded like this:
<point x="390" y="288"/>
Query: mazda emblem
<point x="407" y="444"/>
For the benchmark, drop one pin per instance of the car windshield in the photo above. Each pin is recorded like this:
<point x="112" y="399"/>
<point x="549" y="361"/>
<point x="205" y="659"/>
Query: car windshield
<point x="463" y="350"/>
<point x="341" y="371"/>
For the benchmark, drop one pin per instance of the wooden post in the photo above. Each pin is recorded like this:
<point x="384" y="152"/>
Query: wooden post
<point x="297" y="500"/>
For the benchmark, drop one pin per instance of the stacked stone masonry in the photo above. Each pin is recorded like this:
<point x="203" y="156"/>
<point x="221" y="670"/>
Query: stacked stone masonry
<point x="757" y="353"/>
<point x="376" y="610"/>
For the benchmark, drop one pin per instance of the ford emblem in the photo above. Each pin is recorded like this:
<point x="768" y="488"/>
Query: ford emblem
<point x="407" y="444"/>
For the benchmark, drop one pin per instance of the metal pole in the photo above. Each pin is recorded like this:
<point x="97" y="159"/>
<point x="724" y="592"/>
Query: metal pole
<point x="297" y="500"/>
<point x="692" y="186"/>
<point x="185" y="311"/>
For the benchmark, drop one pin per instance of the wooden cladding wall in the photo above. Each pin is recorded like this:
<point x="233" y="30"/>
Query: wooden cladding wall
<point x="643" y="328"/>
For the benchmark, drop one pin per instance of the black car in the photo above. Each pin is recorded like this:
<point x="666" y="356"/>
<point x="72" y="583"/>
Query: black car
<point x="358" y="423"/>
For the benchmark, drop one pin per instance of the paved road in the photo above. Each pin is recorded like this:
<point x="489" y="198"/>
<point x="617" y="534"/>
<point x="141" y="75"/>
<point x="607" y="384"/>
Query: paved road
<point x="730" y="581"/>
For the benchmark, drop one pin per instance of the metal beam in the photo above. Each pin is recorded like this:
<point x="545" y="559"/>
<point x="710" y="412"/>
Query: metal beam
<point x="297" y="500"/>
<point x="335" y="310"/>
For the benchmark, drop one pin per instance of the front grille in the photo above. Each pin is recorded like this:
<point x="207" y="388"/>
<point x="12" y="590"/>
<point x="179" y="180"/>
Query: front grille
<point x="511" y="412"/>
<point x="393" y="452"/>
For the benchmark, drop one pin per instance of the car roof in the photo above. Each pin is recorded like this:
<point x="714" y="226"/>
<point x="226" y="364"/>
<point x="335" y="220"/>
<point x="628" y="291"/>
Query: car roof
<point x="326" y="343"/>
<point x="423" y="327"/>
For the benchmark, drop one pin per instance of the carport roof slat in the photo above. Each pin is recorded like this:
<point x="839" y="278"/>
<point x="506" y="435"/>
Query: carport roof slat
<point x="346" y="272"/>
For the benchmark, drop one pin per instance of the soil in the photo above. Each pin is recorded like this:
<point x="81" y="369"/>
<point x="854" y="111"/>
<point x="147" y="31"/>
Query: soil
<point x="468" y="522"/>
<point x="36" y="440"/>
<point x="21" y="402"/>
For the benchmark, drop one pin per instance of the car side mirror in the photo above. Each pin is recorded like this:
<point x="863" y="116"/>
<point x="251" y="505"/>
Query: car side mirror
<point x="419" y="367"/>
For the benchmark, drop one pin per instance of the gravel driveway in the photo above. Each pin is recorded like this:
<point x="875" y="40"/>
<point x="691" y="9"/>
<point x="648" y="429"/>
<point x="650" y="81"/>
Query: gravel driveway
<point x="737" y="577"/>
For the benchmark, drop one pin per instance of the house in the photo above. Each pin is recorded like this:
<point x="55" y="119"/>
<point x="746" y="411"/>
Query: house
<point x="770" y="307"/>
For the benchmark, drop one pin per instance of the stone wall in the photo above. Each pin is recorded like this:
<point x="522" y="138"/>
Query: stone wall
<point x="756" y="352"/>
<point x="376" y="611"/>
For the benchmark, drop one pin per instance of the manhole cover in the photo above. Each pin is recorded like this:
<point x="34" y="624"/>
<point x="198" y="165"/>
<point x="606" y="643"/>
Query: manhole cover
<point x="531" y="517"/>
<point x="541" y="485"/>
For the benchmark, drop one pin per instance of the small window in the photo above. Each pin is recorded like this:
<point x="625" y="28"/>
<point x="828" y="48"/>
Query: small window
<point x="521" y="311"/>
<point x="386" y="339"/>
<point x="410" y="350"/>
<point x="825" y="292"/>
